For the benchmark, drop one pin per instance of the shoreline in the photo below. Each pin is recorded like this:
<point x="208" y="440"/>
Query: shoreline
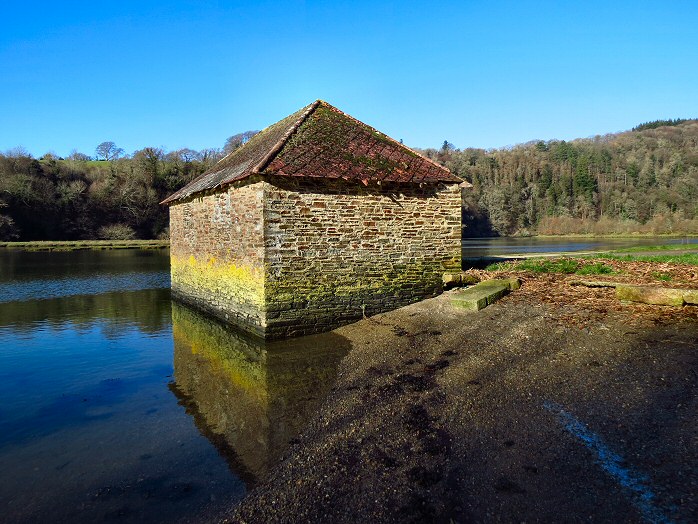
<point x="444" y="415"/>
<point x="612" y="235"/>
<point x="78" y="245"/>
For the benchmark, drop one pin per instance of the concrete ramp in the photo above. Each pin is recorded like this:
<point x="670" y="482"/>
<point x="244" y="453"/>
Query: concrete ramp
<point x="483" y="294"/>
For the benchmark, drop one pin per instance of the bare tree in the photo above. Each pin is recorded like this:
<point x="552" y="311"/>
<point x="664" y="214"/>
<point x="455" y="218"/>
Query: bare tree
<point x="187" y="155"/>
<point x="108" y="151"/>
<point x="77" y="156"/>
<point x="210" y="156"/>
<point x="236" y="141"/>
<point x="17" y="152"/>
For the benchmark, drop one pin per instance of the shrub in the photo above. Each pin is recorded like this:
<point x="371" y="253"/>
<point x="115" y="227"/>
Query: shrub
<point x="8" y="229"/>
<point x="117" y="232"/>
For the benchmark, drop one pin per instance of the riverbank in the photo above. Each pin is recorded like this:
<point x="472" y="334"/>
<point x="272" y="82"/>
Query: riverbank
<point x="557" y="400"/>
<point x="613" y="235"/>
<point x="77" y="245"/>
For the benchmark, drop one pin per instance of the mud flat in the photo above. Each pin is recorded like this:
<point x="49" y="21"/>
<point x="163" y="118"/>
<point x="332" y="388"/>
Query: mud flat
<point x="558" y="402"/>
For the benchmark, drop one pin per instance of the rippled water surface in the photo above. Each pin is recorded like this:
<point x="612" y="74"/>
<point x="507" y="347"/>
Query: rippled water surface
<point x="118" y="405"/>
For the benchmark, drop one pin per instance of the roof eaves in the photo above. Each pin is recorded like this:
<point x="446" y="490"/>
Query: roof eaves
<point x="256" y="169"/>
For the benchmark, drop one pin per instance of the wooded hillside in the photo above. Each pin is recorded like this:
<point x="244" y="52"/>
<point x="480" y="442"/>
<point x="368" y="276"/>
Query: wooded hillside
<point x="637" y="181"/>
<point x="645" y="180"/>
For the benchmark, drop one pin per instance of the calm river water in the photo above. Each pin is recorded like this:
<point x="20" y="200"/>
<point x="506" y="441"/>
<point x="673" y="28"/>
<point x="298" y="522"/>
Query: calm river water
<point x="118" y="404"/>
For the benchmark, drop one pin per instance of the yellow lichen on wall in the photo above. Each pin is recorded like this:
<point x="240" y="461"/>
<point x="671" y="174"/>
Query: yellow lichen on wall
<point x="219" y="279"/>
<point x="217" y="254"/>
<point x="286" y="257"/>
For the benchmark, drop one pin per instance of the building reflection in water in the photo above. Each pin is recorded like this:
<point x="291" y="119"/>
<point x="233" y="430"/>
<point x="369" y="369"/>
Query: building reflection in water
<point x="248" y="397"/>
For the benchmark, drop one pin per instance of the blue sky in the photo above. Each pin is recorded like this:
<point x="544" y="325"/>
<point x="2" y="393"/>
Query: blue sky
<point x="479" y="74"/>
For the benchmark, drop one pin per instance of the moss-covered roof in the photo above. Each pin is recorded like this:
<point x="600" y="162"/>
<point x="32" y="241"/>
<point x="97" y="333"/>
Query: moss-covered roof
<point x="320" y="141"/>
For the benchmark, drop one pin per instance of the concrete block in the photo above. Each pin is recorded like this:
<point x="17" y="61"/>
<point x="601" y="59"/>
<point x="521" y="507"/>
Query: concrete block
<point x="651" y="295"/>
<point x="513" y="283"/>
<point x="481" y="295"/>
<point x="459" y="279"/>
<point x="690" y="296"/>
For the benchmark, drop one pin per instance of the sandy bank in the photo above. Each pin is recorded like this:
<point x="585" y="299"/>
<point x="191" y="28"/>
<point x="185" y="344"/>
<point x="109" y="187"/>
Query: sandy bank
<point x="509" y="414"/>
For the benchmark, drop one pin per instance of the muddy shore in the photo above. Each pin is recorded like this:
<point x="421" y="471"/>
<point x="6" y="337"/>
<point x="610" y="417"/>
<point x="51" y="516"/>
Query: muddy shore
<point x="555" y="404"/>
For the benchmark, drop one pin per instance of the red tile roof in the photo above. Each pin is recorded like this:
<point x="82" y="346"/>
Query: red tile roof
<point x="320" y="141"/>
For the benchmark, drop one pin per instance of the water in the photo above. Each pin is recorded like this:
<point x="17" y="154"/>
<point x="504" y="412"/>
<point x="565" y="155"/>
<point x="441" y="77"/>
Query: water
<point x="120" y="405"/>
<point x="489" y="247"/>
<point x="117" y="404"/>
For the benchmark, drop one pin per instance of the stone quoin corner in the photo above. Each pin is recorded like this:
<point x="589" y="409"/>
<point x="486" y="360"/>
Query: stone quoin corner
<point x="315" y="222"/>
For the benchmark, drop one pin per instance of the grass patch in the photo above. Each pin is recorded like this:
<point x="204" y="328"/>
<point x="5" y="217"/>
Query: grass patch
<point x="665" y="247"/>
<point x="557" y="265"/>
<point x="690" y="259"/>
<point x="664" y="277"/>
<point x="599" y="268"/>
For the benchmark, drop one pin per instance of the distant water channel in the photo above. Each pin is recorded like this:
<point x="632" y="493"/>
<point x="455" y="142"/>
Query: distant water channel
<point x="119" y="405"/>
<point x="491" y="247"/>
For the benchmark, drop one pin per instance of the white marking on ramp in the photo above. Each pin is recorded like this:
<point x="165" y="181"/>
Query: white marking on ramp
<point x="637" y="484"/>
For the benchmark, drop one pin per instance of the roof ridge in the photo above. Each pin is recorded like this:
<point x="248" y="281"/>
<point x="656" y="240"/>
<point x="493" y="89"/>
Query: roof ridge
<point x="380" y="156"/>
<point x="400" y="144"/>
<point x="266" y="160"/>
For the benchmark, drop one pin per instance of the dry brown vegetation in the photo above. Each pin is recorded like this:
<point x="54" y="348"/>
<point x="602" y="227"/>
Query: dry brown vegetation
<point x="596" y="303"/>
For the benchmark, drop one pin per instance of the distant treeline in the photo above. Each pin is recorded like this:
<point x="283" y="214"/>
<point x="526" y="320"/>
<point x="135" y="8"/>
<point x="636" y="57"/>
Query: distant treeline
<point x="108" y="196"/>
<point x="645" y="180"/>
<point x="660" y="123"/>
<point x="638" y="181"/>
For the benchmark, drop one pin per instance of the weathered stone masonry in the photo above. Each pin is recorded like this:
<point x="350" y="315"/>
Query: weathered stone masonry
<point x="336" y="251"/>
<point x="295" y="257"/>
<point x="217" y="254"/>
<point x="315" y="222"/>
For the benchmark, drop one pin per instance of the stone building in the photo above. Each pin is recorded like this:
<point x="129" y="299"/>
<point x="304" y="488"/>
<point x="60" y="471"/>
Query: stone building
<point x="315" y="222"/>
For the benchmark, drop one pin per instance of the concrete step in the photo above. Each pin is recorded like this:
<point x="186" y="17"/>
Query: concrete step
<point x="459" y="279"/>
<point x="483" y="294"/>
<point x="663" y="296"/>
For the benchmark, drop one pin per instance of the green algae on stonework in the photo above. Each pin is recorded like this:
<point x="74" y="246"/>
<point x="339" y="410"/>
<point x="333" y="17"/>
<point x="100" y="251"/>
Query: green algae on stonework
<point x="420" y="275"/>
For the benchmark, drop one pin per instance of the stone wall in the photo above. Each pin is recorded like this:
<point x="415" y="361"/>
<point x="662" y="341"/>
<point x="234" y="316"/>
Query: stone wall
<point x="338" y="250"/>
<point x="217" y="254"/>
<point x="285" y="257"/>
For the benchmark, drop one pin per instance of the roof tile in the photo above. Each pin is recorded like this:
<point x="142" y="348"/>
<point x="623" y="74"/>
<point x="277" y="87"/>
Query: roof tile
<point x="320" y="141"/>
